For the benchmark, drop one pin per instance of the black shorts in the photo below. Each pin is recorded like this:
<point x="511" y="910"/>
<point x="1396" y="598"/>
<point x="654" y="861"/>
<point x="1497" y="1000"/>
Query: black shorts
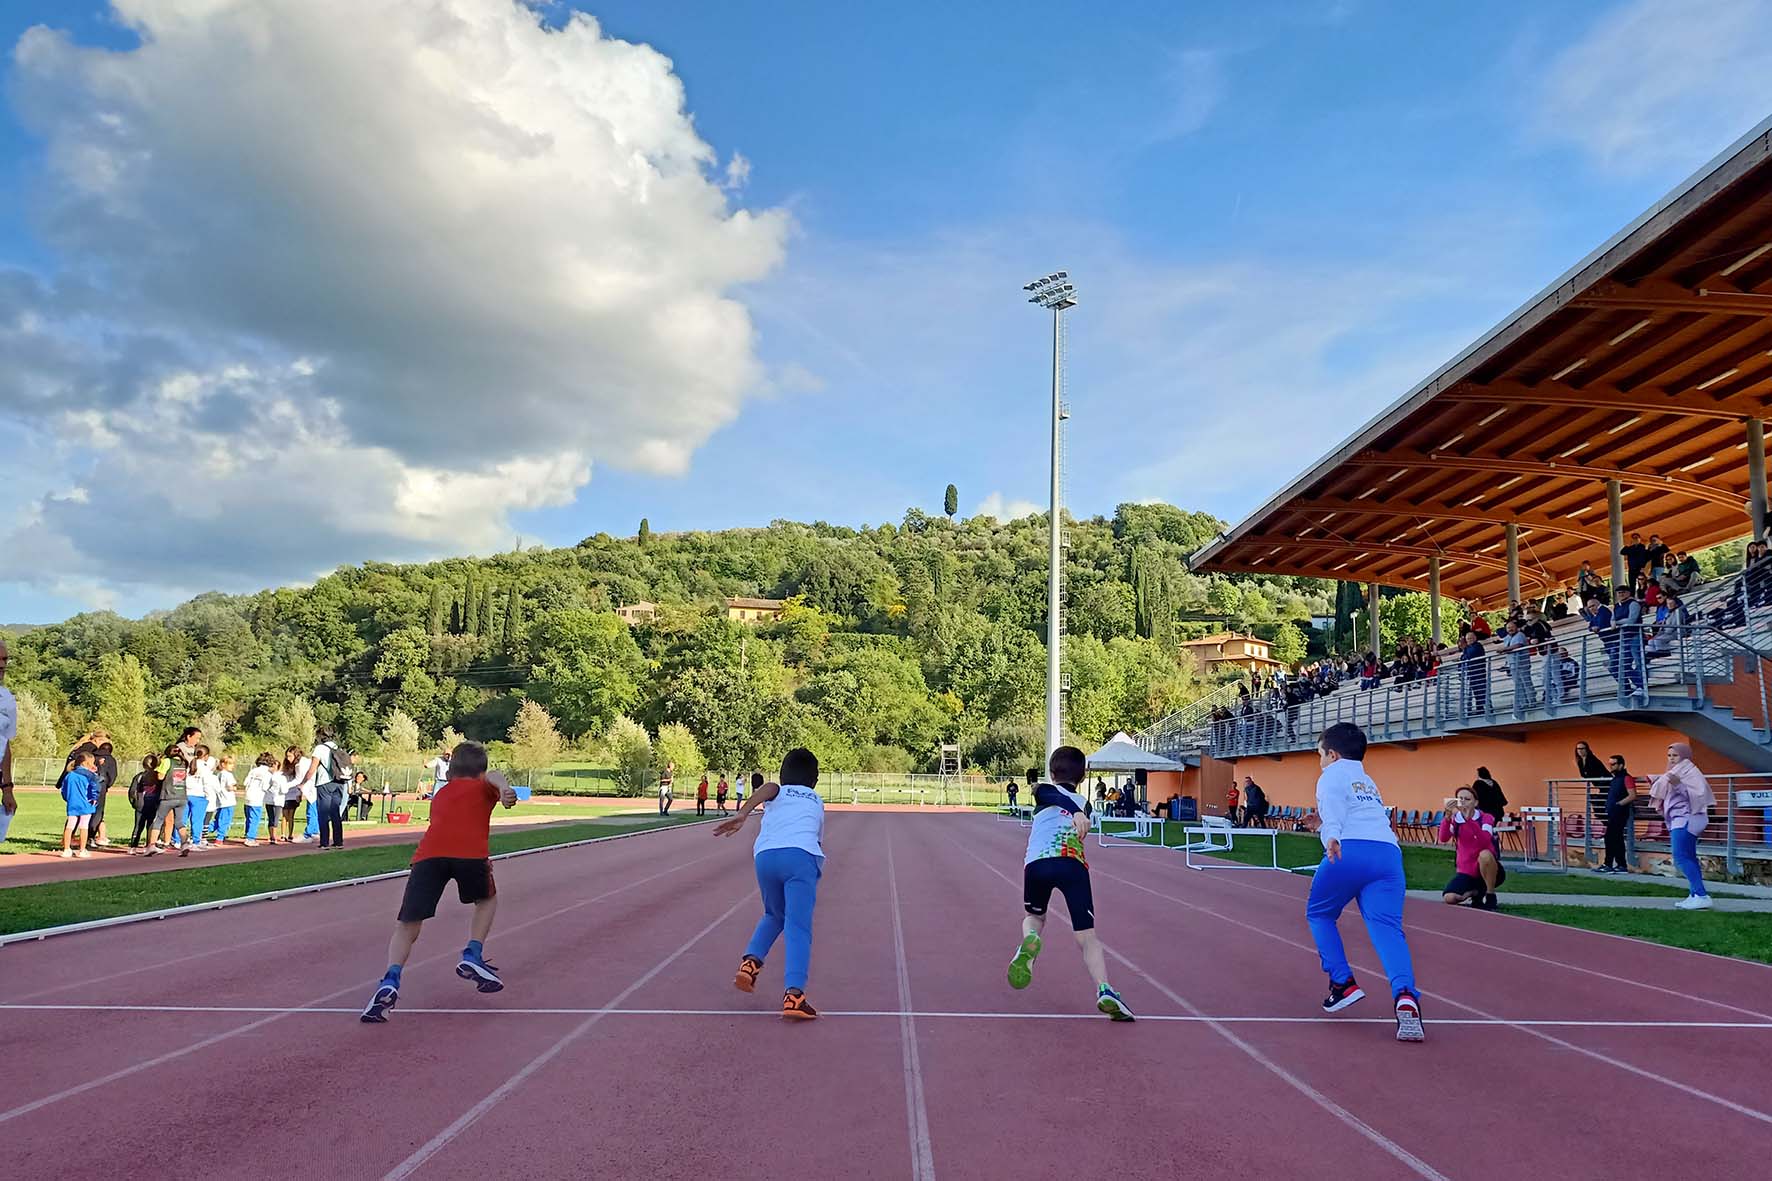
<point x="1470" y="883"/>
<point x="1069" y="877"/>
<point x="424" y="884"/>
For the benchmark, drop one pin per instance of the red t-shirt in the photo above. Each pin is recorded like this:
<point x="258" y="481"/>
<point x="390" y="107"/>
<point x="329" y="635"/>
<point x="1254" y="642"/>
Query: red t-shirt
<point x="461" y="821"/>
<point x="1230" y="797"/>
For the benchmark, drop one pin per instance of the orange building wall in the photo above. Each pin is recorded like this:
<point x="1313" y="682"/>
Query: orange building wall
<point x="1425" y="776"/>
<point x="1742" y="695"/>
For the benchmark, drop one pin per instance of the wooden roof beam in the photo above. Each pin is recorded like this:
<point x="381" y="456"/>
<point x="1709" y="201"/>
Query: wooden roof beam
<point x="1444" y="512"/>
<point x="1666" y="295"/>
<point x="1480" y="561"/>
<point x="1556" y="469"/>
<point x="1688" y="404"/>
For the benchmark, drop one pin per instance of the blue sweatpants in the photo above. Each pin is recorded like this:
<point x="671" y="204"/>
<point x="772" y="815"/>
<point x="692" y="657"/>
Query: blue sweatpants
<point x="788" y="881"/>
<point x="220" y="821"/>
<point x="254" y="817"/>
<point x="1372" y="873"/>
<point x="1685" y="850"/>
<point x="311" y="828"/>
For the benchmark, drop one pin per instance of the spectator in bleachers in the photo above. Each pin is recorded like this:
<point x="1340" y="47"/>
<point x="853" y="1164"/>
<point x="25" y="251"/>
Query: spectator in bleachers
<point x="1621" y="798"/>
<point x="1474" y="663"/>
<point x="1626" y="651"/>
<point x="1477" y="623"/>
<point x="1683" y="576"/>
<point x="1658" y="553"/>
<point x="1683" y="796"/>
<point x="1588" y="582"/>
<point x="1636" y="557"/>
<point x="1519" y="663"/>
<point x="1537" y="628"/>
<point x="1471" y="832"/>
<point x="1562" y="671"/>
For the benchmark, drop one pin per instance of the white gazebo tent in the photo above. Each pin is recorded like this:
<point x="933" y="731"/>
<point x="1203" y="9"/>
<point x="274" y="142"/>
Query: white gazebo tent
<point x="1121" y="755"/>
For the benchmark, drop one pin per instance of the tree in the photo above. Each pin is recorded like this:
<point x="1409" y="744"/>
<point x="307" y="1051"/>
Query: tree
<point x="451" y="739"/>
<point x="120" y="704"/>
<point x="295" y="724"/>
<point x="215" y="728"/>
<point x="631" y="750"/>
<point x="399" y="739"/>
<point x="535" y="742"/>
<point x="675" y="744"/>
<point x="1288" y="644"/>
<point x="37" y="738"/>
<point x="484" y="629"/>
<point x="644" y="537"/>
<point x="435" y="616"/>
<point x="513" y="618"/>
<point x="588" y="668"/>
<point x="470" y="614"/>
<point x="950" y="501"/>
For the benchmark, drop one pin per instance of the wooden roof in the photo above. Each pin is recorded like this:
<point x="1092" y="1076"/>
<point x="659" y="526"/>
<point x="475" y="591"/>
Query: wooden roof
<point x="1643" y="363"/>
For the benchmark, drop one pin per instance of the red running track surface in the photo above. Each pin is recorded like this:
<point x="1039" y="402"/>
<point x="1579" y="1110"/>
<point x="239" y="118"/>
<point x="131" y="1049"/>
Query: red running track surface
<point x="621" y="1049"/>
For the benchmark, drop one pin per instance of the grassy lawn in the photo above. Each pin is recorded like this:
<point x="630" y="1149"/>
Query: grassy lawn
<point x="25" y="908"/>
<point x="1744" y="936"/>
<point x="1427" y="868"/>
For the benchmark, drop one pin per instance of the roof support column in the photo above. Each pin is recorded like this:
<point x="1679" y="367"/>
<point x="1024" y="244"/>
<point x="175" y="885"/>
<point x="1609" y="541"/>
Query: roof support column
<point x="1615" y="530"/>
<point x="1433" y="597"/>
<point x="1511" y="531"/>
<point x="1756" y="476"/>
<point x="1372" y="605"/>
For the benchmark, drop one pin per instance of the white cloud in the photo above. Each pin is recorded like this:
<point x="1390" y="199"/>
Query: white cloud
<point x="424" y="264"/>
<point x="1659" y="84"/>
<point x="995" y="505"/>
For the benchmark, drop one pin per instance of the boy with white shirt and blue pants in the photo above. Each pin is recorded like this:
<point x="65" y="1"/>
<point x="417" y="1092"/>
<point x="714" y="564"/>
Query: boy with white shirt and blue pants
<point x="790" y="860"/>
<point x="1361" y="860"/>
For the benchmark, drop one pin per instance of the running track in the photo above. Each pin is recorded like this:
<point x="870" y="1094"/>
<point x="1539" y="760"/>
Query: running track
<point x="620" y="1048"/>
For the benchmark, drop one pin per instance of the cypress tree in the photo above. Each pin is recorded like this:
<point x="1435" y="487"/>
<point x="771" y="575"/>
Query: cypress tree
<point x="645" y="534"/>
<point x="513" y="617"/>
<point x="485" y="628"/>
<point x="436" y="608"/>
<point x="470" y="616"/>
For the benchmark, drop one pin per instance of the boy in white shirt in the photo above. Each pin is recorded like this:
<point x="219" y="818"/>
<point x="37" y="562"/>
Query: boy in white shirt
<point x="223" y="801"/>
<point x="789" y="856"/>
<point x="1361" y="859"/>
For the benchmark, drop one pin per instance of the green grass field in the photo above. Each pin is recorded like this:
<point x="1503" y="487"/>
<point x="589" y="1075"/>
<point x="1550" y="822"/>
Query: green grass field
<point x="27" y="908"/>
<point x="1741" y="935"/>
<point x="1427" y="868"/>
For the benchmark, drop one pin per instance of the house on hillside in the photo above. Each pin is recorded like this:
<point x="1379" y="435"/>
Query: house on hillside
<point x="1210" y="653"/>
<point x="753" y="610"/>
<point x="637" y="613"/>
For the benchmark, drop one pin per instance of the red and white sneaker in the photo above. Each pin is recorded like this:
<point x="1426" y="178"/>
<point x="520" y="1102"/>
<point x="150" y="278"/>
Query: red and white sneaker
<point x="1409" y="1027"/>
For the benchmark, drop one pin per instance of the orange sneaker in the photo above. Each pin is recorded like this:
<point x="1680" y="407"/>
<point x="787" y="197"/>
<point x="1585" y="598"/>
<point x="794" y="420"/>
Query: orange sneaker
<point x="746" y="980"/>
<point x="794" y="1004"/>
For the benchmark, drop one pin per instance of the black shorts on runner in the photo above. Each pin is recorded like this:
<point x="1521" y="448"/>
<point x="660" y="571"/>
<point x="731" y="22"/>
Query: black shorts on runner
<point x="1069" y="877"/>
<point x="424" y="885"/>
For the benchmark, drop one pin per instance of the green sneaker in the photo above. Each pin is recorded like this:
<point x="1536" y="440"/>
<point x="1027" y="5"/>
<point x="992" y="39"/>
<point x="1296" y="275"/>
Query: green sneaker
<point x="1021" y="968"/>
<point x="1113" y="1004"/>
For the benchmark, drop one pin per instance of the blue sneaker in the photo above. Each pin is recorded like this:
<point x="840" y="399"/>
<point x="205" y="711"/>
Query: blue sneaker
<point x="386" y="997"/>
<point x="483" y="974"/>
<point x="1113" y="1004"/>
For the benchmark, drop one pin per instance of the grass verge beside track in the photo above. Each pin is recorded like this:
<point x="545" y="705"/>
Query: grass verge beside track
<point x="29" y="908"/>
<point x="1745" y="936"/>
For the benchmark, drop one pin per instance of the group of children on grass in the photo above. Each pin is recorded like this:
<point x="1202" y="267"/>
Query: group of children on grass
<point x="1361" y="861"/>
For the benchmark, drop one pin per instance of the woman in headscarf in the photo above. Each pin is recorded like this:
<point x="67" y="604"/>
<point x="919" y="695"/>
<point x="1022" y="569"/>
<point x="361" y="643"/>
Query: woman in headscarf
<point x="1683" y="796"/>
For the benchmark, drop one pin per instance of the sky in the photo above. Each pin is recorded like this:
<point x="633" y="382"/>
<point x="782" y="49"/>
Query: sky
<point x="290" y="284"/>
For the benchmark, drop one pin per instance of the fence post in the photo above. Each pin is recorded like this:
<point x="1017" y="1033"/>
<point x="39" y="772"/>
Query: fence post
<point x="1731" y="861"/>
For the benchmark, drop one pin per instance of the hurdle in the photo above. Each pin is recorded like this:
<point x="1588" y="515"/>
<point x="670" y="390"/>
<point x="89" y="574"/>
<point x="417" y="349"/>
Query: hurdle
<point x="1218" y="835"/>
<point x="1143" y="829"/>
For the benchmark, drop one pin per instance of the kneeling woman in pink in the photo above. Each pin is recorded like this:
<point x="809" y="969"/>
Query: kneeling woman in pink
<point x="1683" y="796"/>
<point x="1471" y="833"/>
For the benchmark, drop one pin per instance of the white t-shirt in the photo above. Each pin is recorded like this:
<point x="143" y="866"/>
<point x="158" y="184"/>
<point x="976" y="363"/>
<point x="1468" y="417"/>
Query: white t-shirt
<point x="309" y="793"/>
<point x="258" y="786"/>
<point x="8" y="719"/>
<point x="1351" y="806"/>
<point x="439" y="769"/>
<point x="794" y="819"/>
<point x="1054" y="833"/>
<point x="200" y="782"/>
<point x="224" y="789"/>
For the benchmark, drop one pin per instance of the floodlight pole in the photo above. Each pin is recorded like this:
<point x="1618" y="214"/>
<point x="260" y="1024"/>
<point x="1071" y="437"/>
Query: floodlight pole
<point x="1056" y="294"/>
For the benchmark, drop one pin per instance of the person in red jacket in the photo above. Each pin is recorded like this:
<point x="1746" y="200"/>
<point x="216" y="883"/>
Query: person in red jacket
<point x="1230" y="802"/>
<point x="1471" y="833"/>
<point x="701" y="796"/>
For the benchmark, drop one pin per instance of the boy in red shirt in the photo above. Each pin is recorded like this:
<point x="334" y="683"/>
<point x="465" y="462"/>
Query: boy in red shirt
<point x="456" y="847"/>
<point x="1230" y="802"/>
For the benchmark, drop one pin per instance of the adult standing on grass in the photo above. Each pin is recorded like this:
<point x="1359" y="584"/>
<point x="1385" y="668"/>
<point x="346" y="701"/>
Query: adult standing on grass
<point x="1621" y="799"/>
<point x="1684" y="798"/>
<point x="8" y="732"/>
<point x="664" y="789"/>
<point x="456" y="847"/>
<point x="329" y="769"/>
<point x="439" y="769"/>
<point x="701" y="795"/>
<point x="105" y="767"/>
<point x="174" y="809"/>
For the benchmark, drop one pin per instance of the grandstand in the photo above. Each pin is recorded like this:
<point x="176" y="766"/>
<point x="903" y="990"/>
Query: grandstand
<point x="1628" y="397"/>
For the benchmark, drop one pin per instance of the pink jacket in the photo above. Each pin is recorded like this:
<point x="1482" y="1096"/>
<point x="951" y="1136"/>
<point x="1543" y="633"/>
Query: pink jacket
<point x="1473" y="837"/>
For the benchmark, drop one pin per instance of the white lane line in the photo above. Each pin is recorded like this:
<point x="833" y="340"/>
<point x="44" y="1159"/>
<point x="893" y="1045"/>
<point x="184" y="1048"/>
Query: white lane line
<point x="916" y="1110"/>
<point x="1245" y="884"/>
<point x="462" y="1122"/>
<point x="1530" y="1031"/>
<point x="897" y="1014"/>
<point x="171" y="1055"/>
<point x="1348" y="1119"/>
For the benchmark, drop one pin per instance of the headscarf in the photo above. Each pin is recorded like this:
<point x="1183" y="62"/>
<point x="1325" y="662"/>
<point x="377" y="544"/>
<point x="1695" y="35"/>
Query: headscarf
<point x="1683" y="774"/>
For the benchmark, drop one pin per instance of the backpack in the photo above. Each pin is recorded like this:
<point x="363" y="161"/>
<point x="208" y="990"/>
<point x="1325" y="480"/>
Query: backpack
<point x="338" y="762"/>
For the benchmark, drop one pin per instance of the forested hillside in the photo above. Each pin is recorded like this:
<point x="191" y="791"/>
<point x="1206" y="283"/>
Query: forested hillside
<point x="895" y="639"/>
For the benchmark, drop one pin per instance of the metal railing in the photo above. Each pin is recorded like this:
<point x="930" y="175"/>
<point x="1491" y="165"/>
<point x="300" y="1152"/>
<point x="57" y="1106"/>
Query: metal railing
<point x="1672" y="666"/>
<point x="1740" y="825"/>
<point x="1187" y="728"/>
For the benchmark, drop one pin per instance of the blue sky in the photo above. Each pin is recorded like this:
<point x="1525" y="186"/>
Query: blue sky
<point x="1280" y="216"/>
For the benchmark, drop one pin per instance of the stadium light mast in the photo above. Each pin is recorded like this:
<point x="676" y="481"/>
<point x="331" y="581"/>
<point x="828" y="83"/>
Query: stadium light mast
<point x="1056" y="294"/>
